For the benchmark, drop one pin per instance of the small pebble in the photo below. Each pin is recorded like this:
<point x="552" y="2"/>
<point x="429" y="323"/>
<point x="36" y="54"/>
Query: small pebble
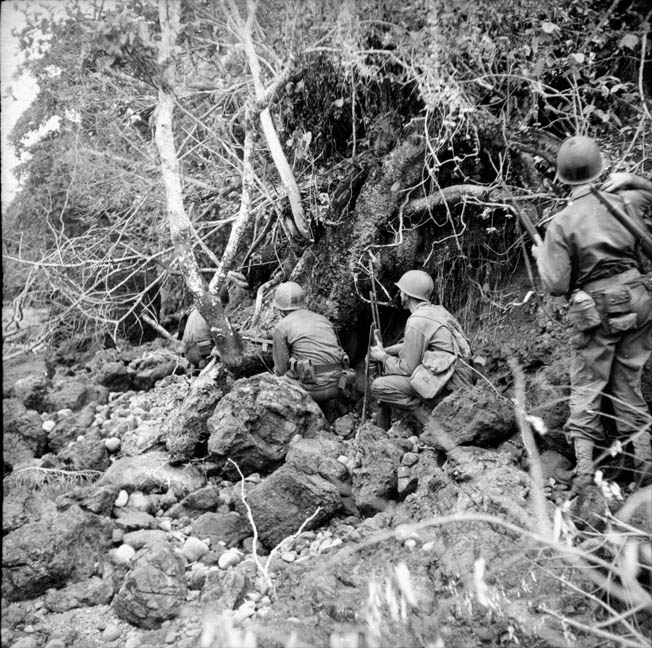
<point x="410" y="458"/>
<point x="111" y="632"/>
<point x="124" y="553"/>
<point x="229" y="559"/>
<point x="122" y="499"/>
<point x="329" y="543"/>
<point x="48" y="426"/>
<point x="247" y="609"/>
<point x="112" y="444"/>
<point x="165" y="524"/>
<point x="193" y="549"/>
<point x="133" y="641"/>
<point x="289" y="556"/>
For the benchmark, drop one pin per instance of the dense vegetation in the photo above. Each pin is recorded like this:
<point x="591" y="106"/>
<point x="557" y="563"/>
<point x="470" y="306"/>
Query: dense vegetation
<point x="463" y="102"/>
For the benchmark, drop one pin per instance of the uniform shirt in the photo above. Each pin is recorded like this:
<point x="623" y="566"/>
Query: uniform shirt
<point x="428" y="328"/>
<point x="304" y="335"/>
<point x="585" y="242"/>
<point x="196" y="330"/>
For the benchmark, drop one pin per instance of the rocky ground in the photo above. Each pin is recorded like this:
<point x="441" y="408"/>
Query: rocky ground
<point x="146" y="507"/>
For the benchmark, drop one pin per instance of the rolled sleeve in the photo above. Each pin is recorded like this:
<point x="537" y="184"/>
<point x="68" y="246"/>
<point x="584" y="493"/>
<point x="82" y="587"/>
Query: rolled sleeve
<point x="554" y="262"/>
<point x="280" y="352"/>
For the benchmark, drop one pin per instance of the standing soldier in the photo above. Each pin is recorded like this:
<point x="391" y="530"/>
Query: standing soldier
<point x="432" y="359"/>
<point x="588" y="255"/>
<point x="306" y="348"/>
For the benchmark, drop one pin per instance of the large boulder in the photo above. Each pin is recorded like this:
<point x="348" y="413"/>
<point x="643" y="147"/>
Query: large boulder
<point x="69" y="426"/>
<point x="229" y="528"/>
<point x="61" y="547"/>
<point x="152" y="472"/>
<point x="282" y="502"/>
<point x="478" y="416"/>
<point x="185" y="430"/>
<point x="86" y="593"/>
<point x="473" y="480"/>
<point x="85" y="454"/>
<point x="146" y="371"/>
<point x="23" y="435"/>
<point x="154" y="589"/>
<point x="73" y="394"/>
<point x="320" y="456"/>
<point x="375" y="481"/>
<point x="21" y="505"/>
<point x="255" y="422"/>
<point x="114" y="376"/>
<point x="31" y="391"/>
<point x="193" y="505"/>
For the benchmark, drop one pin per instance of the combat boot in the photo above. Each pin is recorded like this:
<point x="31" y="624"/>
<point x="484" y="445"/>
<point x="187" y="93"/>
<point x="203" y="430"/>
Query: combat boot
<point x="584" y="465"/>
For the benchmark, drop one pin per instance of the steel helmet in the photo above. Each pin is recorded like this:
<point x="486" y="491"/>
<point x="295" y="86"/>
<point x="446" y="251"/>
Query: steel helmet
<point x="289" y="296"/>
<point x="579" y="161"/>
<point x="417" y="284"/>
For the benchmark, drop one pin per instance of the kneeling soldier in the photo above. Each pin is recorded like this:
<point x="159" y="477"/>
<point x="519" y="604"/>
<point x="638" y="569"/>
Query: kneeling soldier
<point x="197" y="340"/>
<point x="306" y="348"/>
<point x="433" y="359"/>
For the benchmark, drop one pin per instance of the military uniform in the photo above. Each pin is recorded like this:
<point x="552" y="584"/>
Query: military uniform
<point x="306" y="349"/>
<point x="428" y="327"/>
<point x="197" y="340"/>
<point x="586" y="248"/>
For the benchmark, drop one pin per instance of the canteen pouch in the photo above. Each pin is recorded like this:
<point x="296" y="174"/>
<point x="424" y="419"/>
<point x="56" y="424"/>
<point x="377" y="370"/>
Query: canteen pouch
<point x="616" y="300"/>
<point x="305" y="372"/>
<point x="432" y="375"/>
<point x="583" y="312"/>
<point x="622" y="322"/>
<point x="346" y="381"/>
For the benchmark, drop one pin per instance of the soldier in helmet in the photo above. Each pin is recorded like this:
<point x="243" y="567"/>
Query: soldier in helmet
<point x="197" y="340"/>
<point x="306" y="348"/>
<point x="432" y="360"/>
<point x="588" y="256"/>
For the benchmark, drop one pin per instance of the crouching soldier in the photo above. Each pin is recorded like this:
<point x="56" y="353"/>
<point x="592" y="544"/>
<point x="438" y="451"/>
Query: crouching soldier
<point x="593" y="259"/>
<point x="197" y="340"/>
<point x="306" y="349"/>
<point x="431" y="362"/>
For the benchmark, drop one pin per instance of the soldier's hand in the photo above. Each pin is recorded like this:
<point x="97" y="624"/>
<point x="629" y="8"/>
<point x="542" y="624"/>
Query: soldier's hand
<point x="616" y="182"/>
<point x="536" y="251"/>
<point x="377" y="353"/>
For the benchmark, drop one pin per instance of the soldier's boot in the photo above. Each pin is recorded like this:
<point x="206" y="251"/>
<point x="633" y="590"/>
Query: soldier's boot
<point x="384" y="417"/>
<point x="435" y="432"/>
<point x="584" y="465"/>
<point x="643" y="458"/>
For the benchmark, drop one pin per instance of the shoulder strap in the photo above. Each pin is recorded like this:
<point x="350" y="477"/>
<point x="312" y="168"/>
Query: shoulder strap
<point x="460" y="341"/>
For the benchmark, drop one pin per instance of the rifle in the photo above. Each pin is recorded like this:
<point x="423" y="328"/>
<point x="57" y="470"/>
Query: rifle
<point x="375" y="337"/>
<point x="627" y="222"/>
<point x="523" y="217"/>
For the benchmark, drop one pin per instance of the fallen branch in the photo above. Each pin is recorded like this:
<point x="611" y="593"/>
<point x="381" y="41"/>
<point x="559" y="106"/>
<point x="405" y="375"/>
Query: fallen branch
<point x="448" y="195"/>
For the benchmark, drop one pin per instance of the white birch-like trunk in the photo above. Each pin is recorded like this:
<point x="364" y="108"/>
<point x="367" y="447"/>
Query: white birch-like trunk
<point x="207" y="302"/>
